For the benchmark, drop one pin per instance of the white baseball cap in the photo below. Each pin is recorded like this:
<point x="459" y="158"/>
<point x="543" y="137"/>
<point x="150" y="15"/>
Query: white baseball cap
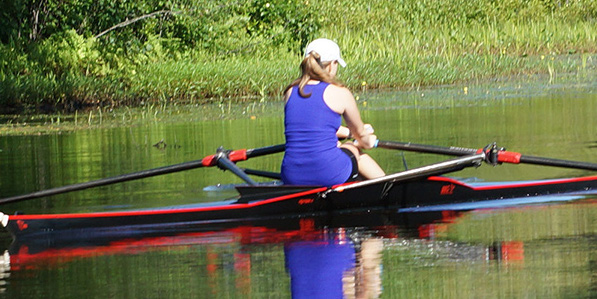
<point x="327" y="49"/>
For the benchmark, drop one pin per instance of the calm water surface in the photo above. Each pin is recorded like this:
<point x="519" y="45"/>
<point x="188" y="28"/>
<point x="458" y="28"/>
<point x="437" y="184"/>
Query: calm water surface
<point x="537" y="251"/>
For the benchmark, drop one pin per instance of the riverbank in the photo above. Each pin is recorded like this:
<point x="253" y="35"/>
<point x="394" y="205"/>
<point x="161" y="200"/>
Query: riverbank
<point x="249" y="51"/>
<point x="481" y="92"/>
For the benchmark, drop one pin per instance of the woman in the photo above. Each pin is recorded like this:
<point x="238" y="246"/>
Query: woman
<point x="315" y="105"/>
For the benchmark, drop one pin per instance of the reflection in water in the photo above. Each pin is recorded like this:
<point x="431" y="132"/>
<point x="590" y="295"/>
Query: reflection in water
<point x="338" y="266"/>
<point x="507" y="251"/>
<point x="237" y="264"/>
<point x="323" y="258"/>
<point x="337" y="255"/>
<point x="4" y="271"/>
<point x="317" y="268"/>
<point x="367" y="282"/>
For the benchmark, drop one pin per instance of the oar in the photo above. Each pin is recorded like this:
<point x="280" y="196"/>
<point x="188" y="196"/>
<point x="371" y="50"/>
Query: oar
<point x="420" y="172"/>
<point x="503" y="156"/>
<point x="212" y="160"/>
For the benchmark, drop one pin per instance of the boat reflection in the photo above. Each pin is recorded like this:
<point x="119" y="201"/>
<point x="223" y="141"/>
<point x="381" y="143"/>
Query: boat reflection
<point x="326" y="256"/>
<point x="380" y="222"/>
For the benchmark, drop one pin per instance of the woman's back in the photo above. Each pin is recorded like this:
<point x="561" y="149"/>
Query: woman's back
<point x="312" y="156"/>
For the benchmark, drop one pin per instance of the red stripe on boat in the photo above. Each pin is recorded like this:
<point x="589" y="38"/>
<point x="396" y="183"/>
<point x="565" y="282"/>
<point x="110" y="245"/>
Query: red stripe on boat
<point x="165" y="211"/>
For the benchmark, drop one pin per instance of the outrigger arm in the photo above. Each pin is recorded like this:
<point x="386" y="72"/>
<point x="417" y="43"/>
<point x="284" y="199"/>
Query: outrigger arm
<point x="224" y="163"/>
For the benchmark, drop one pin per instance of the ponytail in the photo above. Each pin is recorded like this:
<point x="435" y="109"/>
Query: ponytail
<point x="312" y="69"/>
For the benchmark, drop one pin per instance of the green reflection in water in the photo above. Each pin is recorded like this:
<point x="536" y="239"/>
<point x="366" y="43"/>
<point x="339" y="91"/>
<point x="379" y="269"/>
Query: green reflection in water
<point x="546" y="262"/>
<point x="526" y="224"/>
<point x="195" y="271"/>
<point x="540" y="252"/>
<point x="41" y="162"/>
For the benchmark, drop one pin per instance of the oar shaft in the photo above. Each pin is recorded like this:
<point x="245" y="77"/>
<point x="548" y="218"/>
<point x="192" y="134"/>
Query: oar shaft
<point x="557" y="162"/>
<point x="503" y="156"/>
<point x="423" y="148"/>
<point x="256" y="152"/>
<point x="212" y="160"/>
<point x="263" y="173"/>
<point x="106" y="181"/>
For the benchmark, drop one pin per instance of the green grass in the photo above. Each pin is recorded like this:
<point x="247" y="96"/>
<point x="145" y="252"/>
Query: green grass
<point x="401" y="44"/>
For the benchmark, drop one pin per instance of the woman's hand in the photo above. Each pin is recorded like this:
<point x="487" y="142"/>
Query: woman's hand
<point x="367" y="141"/>
<point x="343" y="133"/>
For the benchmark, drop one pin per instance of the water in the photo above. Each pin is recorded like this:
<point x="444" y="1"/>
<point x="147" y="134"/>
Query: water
<point x="541" y="251"/>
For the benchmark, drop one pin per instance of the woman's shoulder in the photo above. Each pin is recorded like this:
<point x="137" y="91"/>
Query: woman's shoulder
<point x="338" y="98"/>
<point x="338" y="91"/>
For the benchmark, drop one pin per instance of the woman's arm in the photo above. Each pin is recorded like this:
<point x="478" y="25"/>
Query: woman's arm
<point x="341" y="100"/>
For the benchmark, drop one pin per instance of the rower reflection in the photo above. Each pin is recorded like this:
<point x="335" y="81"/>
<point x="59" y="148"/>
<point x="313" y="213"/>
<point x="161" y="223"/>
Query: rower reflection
<point x="4" y="271"/>
<point x="337" y="266"/>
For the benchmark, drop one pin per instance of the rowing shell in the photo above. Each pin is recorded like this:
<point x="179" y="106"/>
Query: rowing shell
<point x="275" y="202"/>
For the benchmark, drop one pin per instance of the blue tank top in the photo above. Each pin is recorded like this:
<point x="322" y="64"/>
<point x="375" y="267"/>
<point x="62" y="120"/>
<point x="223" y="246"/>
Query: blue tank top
<point x="312" y="156"/>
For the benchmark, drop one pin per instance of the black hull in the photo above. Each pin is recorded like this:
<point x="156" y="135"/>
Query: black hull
<point x="279" y="202"/>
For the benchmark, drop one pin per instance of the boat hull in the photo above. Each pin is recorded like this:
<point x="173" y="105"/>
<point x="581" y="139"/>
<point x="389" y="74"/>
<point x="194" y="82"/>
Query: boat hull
<point x="276" y="202"/>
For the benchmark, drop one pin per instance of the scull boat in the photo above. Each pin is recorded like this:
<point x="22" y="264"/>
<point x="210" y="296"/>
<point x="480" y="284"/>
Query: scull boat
<point x="410" y="189"/>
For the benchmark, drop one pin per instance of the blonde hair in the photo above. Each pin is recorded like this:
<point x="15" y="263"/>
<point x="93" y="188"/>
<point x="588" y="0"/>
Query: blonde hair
<point x="312" y="69"/>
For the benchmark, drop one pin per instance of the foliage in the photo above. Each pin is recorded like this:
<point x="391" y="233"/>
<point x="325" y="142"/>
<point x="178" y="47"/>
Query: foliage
<point x="285" y="21"/>
<point x="52" y="53"/>
<point x="46" y="44"/>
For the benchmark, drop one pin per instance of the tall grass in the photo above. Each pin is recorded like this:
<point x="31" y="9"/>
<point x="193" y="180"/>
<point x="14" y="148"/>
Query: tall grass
<point x="399" y="44"/>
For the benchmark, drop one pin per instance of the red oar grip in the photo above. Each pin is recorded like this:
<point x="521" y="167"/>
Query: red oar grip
<point x="505" y="156"/>
<point x="209" y="161"/>
<point x="238" y="155"/>
<point x="509" y="157"/>
<point x="212" y="160"/>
